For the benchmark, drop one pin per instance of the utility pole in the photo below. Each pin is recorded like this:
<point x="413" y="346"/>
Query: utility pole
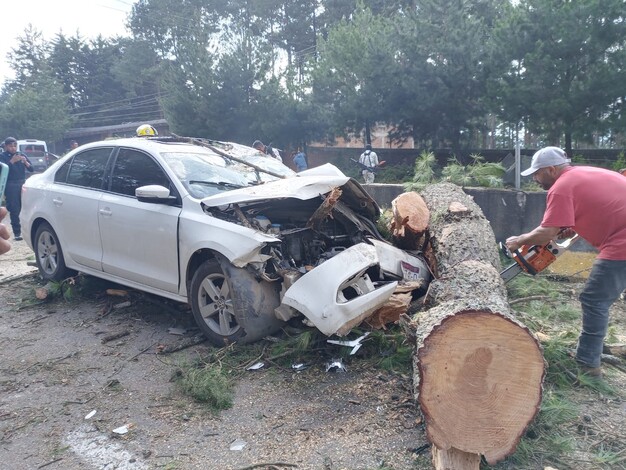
<point x="518" y="156"/>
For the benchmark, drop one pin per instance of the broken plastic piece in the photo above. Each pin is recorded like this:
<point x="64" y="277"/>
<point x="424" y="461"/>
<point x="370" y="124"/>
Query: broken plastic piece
<point x="336" y="365"/>
<point x="121" y="429"/>
<point x="90" y="414"/>
<point x="354" y="344"/>
<point x="256" y="366"/>
<point x="300" y="366"/>
<point x="238" y="444"/>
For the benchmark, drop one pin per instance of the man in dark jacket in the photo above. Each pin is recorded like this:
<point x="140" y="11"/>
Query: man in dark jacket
<point x="267" y="150"/>
<point x="18" y="164"/>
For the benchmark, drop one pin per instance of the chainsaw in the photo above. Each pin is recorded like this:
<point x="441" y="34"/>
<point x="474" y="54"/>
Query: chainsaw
<point x="373" y="169"/>
<point x="533" y="259"/>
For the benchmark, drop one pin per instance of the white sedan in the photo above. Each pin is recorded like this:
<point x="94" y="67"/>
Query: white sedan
<point x="248" y="243"/>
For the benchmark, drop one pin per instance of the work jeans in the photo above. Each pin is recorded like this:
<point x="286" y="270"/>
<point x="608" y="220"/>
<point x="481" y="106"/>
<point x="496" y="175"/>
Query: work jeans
<point x="368" y="176"/>
<point x="13" y="194"/>
<point x="605" y="284"/>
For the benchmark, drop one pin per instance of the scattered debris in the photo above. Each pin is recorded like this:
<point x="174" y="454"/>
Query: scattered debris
<point x="256" y="366"/>
<point x="122" y="429"/>
<point x="354" y="344"/>
<point x="117" y="292"/>
<point x="113" y="336"/>
<point x="182" y="344"/>
<point x="615" y="350"/>
<point x="336" y="365"/>
<point x="41" y="293"/>
<point x="299" y="366"/>
<point x="90" y="414"/>
<point x="122" y="304"/>
<point x="177" y="331"/>
<point x="238" y="444"/>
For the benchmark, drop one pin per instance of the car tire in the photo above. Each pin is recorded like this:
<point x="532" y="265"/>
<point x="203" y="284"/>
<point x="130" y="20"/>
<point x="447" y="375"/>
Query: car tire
<point x="49" y="254"/>
<point x="230" y="305"/>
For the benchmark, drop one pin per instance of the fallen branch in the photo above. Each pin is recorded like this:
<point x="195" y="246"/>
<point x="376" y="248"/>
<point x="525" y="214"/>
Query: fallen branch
<point x="613" y="361"/>
<point x="113" y="336"/>
<point x="184" y="344"/>
<point x="142" y="351"/>
<point x="528" y="299"/>
<point x="50" y="463"/>
<point x="272" y="464"/>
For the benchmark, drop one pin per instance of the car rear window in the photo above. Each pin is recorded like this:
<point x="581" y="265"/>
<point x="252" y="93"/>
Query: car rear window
<point x="33" y="150"/>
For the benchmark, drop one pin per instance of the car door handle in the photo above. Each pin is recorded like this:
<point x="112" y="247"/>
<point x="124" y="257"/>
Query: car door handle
<point x="57" y="202"/>
<point x="106" y="211"/>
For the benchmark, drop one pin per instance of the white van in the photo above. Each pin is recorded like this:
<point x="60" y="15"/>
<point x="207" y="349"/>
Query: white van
<point x="36" y="151"/>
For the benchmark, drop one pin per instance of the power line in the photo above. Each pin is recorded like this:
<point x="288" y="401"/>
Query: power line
<point x="154" y="95"/>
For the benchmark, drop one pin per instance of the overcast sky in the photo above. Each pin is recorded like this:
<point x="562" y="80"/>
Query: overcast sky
<point x="88" y="17"/>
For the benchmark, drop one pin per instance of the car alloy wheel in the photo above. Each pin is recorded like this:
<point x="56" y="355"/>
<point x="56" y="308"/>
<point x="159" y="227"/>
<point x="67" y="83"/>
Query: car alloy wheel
<point x="49" y="255"/>
<point x="230" y="304"/>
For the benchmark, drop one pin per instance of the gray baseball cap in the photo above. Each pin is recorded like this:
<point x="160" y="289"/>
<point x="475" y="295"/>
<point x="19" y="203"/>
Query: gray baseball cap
<point x="545" y="157"/>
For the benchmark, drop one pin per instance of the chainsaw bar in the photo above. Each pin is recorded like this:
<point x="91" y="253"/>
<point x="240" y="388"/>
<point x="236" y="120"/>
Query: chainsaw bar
<point x="510" y="272"/>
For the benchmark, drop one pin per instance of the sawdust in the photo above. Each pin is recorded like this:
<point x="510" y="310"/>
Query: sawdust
<point x="573" y="264"/>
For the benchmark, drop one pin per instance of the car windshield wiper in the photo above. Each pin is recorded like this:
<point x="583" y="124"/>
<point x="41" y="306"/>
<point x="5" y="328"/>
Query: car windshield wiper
<point x="221" y="184"/>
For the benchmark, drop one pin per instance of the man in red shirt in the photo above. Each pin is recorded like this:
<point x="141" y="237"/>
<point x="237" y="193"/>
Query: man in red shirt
<point x="592" y="202"/>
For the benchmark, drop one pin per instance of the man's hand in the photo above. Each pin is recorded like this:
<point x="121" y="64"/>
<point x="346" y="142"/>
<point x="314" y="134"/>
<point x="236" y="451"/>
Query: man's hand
<point x="539" y="236"/>
<point x="513" y="243"/>
<point x="566" y="233"/>
<point x="4" y="233"/>
<point x="18" y="157"/>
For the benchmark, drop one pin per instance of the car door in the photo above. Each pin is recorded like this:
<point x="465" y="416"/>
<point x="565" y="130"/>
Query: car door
<point x="139" y="239"/>
<point x="74" y="205"/>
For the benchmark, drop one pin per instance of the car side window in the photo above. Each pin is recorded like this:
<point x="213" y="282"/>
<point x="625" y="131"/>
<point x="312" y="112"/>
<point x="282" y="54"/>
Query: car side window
<point x="87" y="168"/>
<point x="134" y="169"/>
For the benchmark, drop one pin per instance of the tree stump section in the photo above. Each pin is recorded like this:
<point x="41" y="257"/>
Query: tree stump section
<point x="478" y="371"/>
<point x="410" y="220"/>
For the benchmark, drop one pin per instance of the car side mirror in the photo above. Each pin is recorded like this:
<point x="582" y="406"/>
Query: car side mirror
<point x="155" y="194"/>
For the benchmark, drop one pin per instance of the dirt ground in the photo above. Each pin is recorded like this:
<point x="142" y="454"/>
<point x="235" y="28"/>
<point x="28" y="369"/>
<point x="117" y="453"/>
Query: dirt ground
<point x="55" y="370"/>
<point x="64" y="390"/>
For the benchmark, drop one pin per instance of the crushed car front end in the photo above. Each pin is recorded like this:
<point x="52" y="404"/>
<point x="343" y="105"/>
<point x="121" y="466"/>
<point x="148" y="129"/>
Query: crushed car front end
<point x="319" y="247"/>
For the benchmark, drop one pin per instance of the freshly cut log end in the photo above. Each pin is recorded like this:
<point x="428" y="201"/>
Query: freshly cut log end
<point x="410" y="220"/>
<point x="479" y="383"/>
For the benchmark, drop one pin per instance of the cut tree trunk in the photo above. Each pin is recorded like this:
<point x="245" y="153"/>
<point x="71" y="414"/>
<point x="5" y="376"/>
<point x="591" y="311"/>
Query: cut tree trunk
<point x="478" y="371"/>
<point x="410" y="220"/>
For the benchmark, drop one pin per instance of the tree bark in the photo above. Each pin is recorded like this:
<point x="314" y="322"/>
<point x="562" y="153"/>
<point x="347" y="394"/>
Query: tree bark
<point x="478" y="371"/>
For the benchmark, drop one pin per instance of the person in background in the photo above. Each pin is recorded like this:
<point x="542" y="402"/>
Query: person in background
<point x="590" y="202"/>
<point x="18" y="164"/>
<point x="73" y="145"/>
<point x="622" y="172"/>
<point x="300" y="161"/>
<point x="370" y="160"/>
<point x="267" y="150"/>
<point x="4" y="233"/>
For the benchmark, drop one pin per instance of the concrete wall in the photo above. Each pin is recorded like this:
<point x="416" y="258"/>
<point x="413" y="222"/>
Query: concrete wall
<point x="509" y="212"/>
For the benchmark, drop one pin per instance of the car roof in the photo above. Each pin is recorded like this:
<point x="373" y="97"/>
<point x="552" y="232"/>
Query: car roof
<point x="169" y="143"/>
<point x="146" y="143"/>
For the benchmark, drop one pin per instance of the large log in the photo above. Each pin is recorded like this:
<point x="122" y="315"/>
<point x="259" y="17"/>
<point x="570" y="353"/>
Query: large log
<point x="478" y="371"/>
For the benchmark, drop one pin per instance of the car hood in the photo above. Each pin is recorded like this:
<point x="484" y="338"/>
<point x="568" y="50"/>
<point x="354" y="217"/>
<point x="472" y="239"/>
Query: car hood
<point x="304" y="187"/>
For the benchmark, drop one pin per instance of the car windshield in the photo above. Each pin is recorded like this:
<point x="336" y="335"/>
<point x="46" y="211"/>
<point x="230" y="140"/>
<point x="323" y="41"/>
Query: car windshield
<point x="269" y="168"/>
<point x="204" y="174"/>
